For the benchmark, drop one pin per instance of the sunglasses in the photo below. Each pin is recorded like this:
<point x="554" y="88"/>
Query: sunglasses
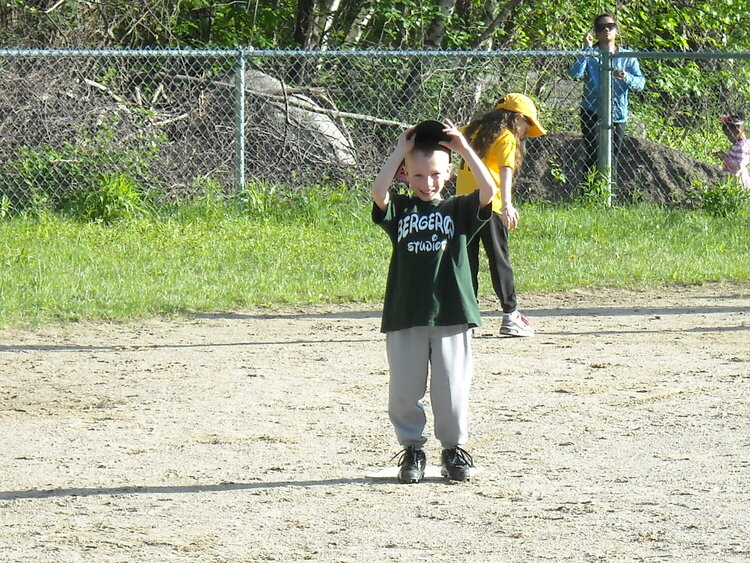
<point x="605" y="26"/>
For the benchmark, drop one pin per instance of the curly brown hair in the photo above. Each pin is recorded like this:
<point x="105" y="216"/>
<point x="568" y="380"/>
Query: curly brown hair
<point x="484" y="130"/>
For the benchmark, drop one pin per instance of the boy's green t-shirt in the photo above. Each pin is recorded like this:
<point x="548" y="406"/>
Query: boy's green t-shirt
<point x="429" y="279"/>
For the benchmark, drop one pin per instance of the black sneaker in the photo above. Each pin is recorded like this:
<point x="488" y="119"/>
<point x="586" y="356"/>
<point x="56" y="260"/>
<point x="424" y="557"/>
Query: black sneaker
<point x="411" y="465"/>
<point x="457" y="464"/>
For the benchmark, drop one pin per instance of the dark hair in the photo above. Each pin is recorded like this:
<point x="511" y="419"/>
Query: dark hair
<point x="484" y="130"/>
<point x="601" y="17"/>
<point x="736" y="120"/>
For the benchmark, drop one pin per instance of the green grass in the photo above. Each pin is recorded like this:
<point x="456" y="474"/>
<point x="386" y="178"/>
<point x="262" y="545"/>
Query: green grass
<point x="324" y="248"/>
<point x="630" y="246"/>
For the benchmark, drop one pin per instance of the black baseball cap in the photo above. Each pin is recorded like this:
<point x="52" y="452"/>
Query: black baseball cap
<point x="430" y="133"/>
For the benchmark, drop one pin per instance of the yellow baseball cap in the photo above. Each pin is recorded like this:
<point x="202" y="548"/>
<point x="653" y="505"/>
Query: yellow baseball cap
<point x="525" y="106"/>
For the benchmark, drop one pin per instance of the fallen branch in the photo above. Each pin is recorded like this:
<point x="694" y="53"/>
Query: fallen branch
<point x="292" y="101"/>
<point x="171" y="120"/>
<point x="55" y="7"/>
<point x="119" y="99"/>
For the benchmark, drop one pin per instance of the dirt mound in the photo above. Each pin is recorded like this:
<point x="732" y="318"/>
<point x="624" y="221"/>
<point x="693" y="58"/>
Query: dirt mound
<point x="554" y="168"/>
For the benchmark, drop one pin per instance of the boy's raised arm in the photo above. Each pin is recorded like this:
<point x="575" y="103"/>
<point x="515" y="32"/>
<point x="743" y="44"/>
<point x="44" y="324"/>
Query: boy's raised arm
<point x="382" y="184"/>
<point x="460" y="145"/>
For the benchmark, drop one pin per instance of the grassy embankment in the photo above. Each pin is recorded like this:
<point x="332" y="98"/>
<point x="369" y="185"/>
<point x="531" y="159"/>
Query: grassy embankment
<point x="325" y="249"/>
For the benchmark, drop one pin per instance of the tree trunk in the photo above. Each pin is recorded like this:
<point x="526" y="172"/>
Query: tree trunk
<point x="495" y="24"/>
<point x="324" y="22"/>
<point x="357" y="30"/>
<point x="436" y="32"/>
<point x="403" y="44"/>
<point x="302" y="34"/>
<point x="491" y="10"/>
<point x="414" y="78"/>
<point x="303" y="22"/>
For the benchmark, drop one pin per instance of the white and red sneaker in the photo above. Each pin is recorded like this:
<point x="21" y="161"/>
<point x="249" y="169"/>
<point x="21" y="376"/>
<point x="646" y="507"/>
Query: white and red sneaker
<point x="515" y="324"/>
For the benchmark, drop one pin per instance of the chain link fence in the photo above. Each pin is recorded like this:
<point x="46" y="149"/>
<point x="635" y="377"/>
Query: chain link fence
<point x="179" y="123"/>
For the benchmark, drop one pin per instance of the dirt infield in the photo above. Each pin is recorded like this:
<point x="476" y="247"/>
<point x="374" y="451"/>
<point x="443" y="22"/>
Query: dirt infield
<point x="620" y="432"/>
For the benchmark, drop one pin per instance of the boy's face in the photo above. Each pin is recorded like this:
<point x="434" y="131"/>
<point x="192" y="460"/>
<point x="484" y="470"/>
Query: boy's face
<point x="427" y="173"/>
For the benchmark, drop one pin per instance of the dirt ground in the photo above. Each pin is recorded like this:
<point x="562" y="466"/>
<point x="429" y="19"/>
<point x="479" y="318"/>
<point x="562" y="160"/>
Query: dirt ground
<point x="555" y="165"/>
<point x="621" y="431"/>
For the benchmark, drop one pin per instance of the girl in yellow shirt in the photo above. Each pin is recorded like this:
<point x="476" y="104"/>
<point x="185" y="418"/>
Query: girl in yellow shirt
<point x="498" y="138"/>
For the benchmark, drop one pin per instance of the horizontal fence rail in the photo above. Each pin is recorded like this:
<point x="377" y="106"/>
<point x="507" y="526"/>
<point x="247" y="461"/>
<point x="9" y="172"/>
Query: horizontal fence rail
<point x="179" y="123"/>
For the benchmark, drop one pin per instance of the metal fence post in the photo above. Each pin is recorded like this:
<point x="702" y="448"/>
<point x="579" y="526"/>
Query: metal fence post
<point x="239" y="121"/>
<point x="604" y="163"/>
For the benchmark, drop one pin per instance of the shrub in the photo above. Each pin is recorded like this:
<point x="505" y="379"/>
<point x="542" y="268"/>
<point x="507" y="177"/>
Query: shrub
<point x="722" y="199"/>
<point x="6" y="207"/>
<point x="117" y="197"/>
<point x="258" y="198"/>
<point x="593" y="191"/>
<point x="54" y="175"/>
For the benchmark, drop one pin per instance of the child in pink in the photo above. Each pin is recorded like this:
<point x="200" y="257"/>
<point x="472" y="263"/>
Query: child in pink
<point x="736" y="159"/>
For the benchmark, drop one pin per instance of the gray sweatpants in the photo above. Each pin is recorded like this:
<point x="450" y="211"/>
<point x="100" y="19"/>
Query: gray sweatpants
<point x="447" y="351"/>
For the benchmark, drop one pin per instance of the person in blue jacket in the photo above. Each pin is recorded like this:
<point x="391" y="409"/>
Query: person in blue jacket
<point x="626" y="76"/>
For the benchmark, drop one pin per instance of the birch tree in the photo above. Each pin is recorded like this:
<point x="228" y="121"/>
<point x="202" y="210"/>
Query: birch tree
<point x="361" y="22"/>
<point x="436" y="31"/>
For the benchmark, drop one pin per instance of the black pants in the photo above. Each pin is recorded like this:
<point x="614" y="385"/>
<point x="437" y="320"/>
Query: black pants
<point x="590" y="131"/>
<point x="494" y="237"/>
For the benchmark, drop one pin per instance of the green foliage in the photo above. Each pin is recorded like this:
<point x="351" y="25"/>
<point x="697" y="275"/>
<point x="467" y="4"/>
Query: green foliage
<point x="209" y="201"/>
<point x="117" y="197"/>
<point x="700" y="139"/>
<point x="226" y="24"/>
<point x="593" y="191"/>
<point x="704" y="25"/>
<point x="556" y="171"/>
<point x="258" y="198"/>
<point x="46" y="175"/>
<point x="39" y="174"/>
<point x="695" y="93"/>
<point x="647" y="24"/>
<point x="723" y="199"/>
<point x="6" y="207"/>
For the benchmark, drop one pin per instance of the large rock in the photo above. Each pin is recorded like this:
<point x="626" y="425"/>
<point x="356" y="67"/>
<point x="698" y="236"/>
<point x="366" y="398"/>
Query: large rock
<point x="290" y="129"/>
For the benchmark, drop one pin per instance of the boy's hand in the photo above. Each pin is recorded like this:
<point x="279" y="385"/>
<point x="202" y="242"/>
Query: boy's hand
<point x="390" y="169"/>
<point x="405" y="141"/>
<point x="458" y="142"/>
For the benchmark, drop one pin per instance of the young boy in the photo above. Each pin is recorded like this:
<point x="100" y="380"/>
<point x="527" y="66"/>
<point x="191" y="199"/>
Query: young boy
<point x="430" y="308"/>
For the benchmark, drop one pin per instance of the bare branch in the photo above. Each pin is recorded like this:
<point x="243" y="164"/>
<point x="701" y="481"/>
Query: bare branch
<point x="292" y="101"/>
<point x="119" y="99"/>
<point x="499" y="20"/>
<point x="54" y="7"/>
